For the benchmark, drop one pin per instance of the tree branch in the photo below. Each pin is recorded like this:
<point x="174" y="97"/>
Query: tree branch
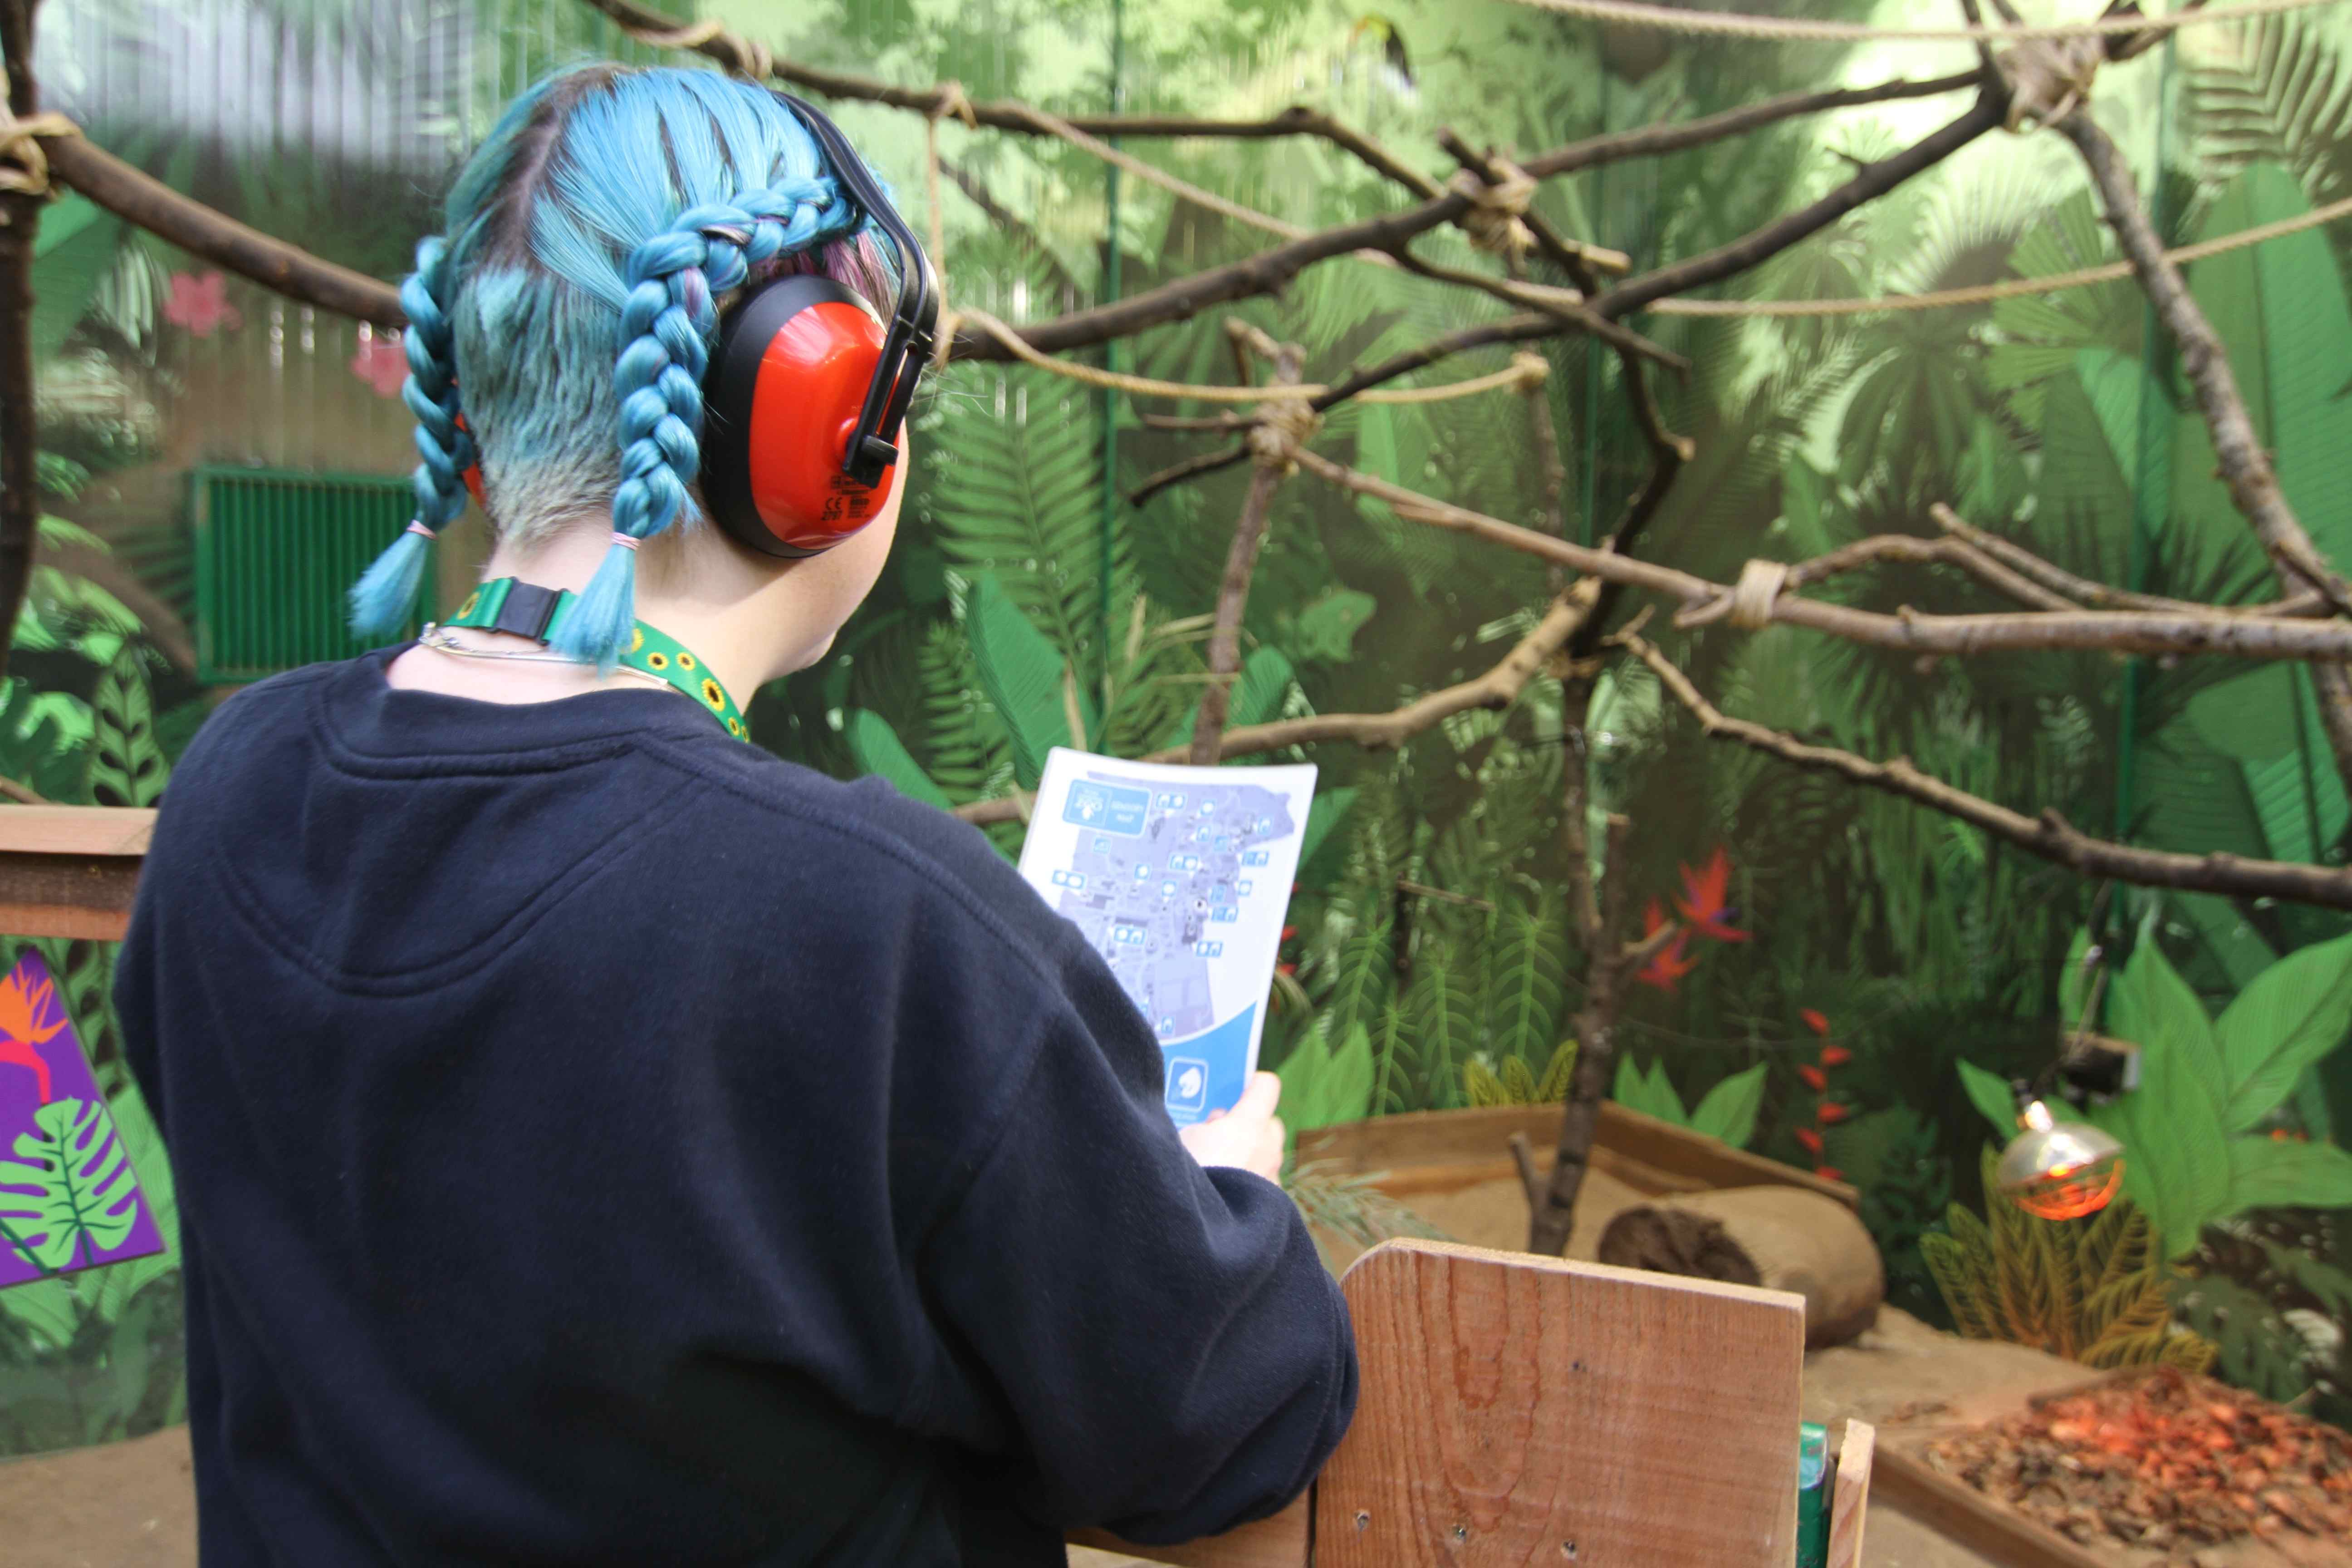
<point x="1499" y="688"/>
<point x="1232" y="591"/>
<point x="288" y="270"/>
<point x="1907" y="631"/>
<point x="20" y="223"/>
<point x="1870" y="182"/>
<point x="2081" y="591"/>
<point x="2050" y="837"/>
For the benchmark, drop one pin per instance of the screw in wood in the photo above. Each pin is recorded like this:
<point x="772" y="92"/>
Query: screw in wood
<point x="1363" y="1520"/>
<point x="1568" y="1550"/>
<point x="1461" y="1532"/>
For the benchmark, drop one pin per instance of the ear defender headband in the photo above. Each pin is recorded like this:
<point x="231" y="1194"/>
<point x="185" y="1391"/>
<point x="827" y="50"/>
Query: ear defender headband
<point x="807" y="391"/>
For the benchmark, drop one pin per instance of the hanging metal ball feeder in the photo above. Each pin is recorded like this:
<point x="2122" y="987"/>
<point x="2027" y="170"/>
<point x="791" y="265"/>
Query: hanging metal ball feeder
<point x="2058" y="1170"/>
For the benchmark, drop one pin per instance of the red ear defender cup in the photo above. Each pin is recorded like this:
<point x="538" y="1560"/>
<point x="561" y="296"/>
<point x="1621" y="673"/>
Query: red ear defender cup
<point x="787" y="381"/>
<point x="474" y="475"/>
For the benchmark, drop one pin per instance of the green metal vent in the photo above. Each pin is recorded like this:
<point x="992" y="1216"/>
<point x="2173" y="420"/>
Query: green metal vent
<point x="275" y="554"/>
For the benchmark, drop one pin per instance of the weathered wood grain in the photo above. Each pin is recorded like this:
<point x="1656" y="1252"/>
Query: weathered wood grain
<point x="1955" y="1509"/>
<point x="1849" y="1498"/>
<point x="1518" y="1409"/>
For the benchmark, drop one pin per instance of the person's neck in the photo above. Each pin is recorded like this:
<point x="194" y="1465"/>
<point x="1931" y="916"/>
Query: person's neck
<point x="726" y="615"/>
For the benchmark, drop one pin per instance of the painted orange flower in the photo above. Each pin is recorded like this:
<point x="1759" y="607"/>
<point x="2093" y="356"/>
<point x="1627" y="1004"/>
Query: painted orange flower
<point x="1815" y="1079"/>
<point x="1703" y="905"/>
<point x="1670" y="965"/>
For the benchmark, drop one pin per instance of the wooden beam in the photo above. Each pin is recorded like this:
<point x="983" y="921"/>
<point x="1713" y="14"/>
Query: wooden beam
<point x="1961" y="1513"/>
<point x="1686" y="1161"/>
<point x="71" y="870"/>
<point x="1850" y="1498"/>
<point x="1277" y="1542"/>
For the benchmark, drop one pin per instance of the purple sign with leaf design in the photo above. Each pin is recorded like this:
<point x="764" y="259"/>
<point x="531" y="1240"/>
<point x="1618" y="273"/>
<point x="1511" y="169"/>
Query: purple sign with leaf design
<point x="68" y="1198"/>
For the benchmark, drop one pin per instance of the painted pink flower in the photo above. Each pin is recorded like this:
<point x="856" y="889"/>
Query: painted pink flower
<point x="382" y="363"/>
<point x="200" y="304"/>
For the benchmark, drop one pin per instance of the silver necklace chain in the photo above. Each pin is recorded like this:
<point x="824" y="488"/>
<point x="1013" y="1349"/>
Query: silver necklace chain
<point x="437" y="638"/>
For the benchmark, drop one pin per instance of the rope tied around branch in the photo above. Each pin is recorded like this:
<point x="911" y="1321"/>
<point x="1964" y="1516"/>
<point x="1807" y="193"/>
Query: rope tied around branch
<point x="1280" y="430"/>
<point x="953" y="100"/>
<point x="23" y="165"/>
<point x="1496" y="221"/>
<point x="1761" y="583"/>
<point x="2049" y="79"/>
<point x="1532" y="370"/>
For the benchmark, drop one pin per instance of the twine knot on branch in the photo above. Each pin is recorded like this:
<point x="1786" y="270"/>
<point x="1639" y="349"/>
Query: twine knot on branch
<point x="1532" y="369"/>
<point x="1761" y="583"/>
<point x="1495" y="221"/>
<point x="23" y="165"/>
<point x="2049" y="79"/>
<point x="952" y="100"/>
<point x="1280" y="430"/>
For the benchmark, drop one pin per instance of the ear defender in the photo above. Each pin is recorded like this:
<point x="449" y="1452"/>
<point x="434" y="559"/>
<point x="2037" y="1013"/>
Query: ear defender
<point x="783" y="400"/>
<point x="807" y="388"/>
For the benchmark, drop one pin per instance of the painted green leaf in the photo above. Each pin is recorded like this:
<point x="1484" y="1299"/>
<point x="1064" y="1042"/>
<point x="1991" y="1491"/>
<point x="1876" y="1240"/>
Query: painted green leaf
<point x="1347" y="1080"/>
<point x="2154" y="1008"/>
<point x="126" y="765"/>
<point x="1022" y="674"/>
<point x="1326" y="629"/>
<point x="75" y="249"/>
<point x="2176" y="1164"/>
<point x="2266" y="1173"/>
<point x="69" y="1183"/>
<point x="1728" y="1110"/>
<point x="2073" y="982"/>
<point x="1991" y="1094"/>
<point x="1258" y="691"/>
<point x="1526" y="981"/>
<point x="2294" y="1013"/>
<point x="878" y="749"/>
<point x="1330" y="810"/>
<point x="1302" y="1073"/>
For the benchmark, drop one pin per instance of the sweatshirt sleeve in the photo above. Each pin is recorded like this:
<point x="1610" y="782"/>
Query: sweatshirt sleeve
<point x="1175" y="1356"/>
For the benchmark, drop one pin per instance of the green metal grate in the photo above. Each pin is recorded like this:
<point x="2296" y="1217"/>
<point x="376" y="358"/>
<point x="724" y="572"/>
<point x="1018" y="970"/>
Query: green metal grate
<point x="275" y="554"/>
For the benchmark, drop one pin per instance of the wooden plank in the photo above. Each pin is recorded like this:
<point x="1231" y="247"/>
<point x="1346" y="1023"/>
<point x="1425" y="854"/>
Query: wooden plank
<point x="76" y="829"/>
<point x="1961" y="1513"/>
<point x="66" y="896"/>
<point x="1684" y="1161"/>
<point x="1276" y="1543"/>
<point x="1850" y="1498"/>
<point x="1517" y="1410"/>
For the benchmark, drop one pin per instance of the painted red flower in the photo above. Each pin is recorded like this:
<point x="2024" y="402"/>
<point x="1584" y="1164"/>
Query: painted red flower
<point x="199" y="303"/>
<point x="1829" y="1173"/>
<point x="1670" y="965"/>
<point x="1816" y="1023"/>
<point x="383" y="363"/>
<point x="1811" y="1140"/>
<point x="1815" y="1079"/>
<point x="1835" y="1056"/>
<point x="1704" y="906"/>
<point x="1288" y="933"/>
<point x="1830" y="1113"/>
<point x="1286" y="969"/>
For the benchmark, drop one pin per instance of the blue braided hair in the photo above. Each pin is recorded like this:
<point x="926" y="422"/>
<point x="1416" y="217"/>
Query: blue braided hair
<point x="590" y="242"/>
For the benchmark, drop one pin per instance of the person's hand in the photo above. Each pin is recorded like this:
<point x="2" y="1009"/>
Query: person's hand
<point x="1248" y="1137"/>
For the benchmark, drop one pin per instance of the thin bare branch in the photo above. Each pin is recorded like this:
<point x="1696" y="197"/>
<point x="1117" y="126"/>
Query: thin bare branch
<point x="288" y="269"/>
<point x="2049" y="836"/>
<point x="1907" y="631"/>
<point x="2081" y="591"/>
<point x="1870" y="182"/>
<point x="1233" y="590"/>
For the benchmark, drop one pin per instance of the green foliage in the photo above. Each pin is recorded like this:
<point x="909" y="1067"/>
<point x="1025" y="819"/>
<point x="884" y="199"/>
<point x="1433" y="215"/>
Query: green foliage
<point x="1484" y="1083"/>
<point x="126" y="765"/>
<point x="2095" y="1290"/>
<point x="878" y="749"/>
<point x="1727" y="1111"/>
<point x="1321" y="1087"/>
<point x="1891" y="1157"/>
<point x="1027" y="680"/>
<point x="82" y="1190"/>
<point x="2190" y="1158"/>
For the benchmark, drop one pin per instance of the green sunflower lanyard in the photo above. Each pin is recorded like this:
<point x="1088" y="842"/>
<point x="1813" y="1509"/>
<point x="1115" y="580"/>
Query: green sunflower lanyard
<point x="523" y="609"/>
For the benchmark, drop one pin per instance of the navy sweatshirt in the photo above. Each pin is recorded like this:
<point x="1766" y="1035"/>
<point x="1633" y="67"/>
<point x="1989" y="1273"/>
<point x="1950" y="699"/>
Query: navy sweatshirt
<point x="598" y="1142"/>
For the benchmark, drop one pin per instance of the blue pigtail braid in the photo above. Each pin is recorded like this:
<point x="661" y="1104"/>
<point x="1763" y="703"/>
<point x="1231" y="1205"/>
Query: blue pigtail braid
<point x="383" y="599"/>
<point x="667" y="321"/>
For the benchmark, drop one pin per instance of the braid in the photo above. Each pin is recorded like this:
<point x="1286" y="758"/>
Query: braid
<point x="383" y="600"/>
<point x="667" y="319"/>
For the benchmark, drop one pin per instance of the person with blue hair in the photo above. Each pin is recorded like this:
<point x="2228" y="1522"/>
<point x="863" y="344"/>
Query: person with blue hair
<point x="597" y="1141"/>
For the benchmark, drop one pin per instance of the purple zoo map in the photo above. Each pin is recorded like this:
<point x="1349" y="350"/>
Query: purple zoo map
<point x="1159" y="876"/>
